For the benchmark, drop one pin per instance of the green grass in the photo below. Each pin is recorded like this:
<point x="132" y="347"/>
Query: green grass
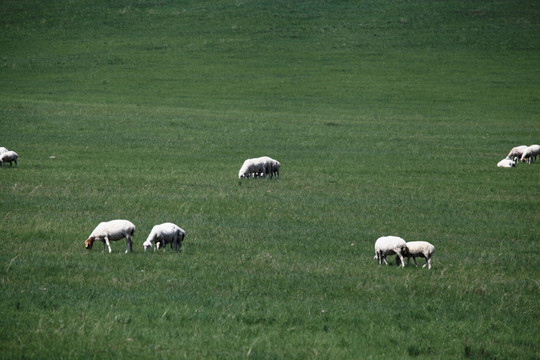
<point x="388" y="118"/>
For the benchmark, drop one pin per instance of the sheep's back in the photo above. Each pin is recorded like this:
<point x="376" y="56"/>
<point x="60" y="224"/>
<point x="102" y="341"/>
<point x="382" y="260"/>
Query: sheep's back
<point x="114" y="229"/>
<point x="386" y="243"/>
<point x="8" y="156"/>
<point x="420" y="247"/>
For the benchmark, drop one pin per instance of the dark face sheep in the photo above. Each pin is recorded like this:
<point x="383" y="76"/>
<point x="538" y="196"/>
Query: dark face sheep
<point x="89" y="243"/>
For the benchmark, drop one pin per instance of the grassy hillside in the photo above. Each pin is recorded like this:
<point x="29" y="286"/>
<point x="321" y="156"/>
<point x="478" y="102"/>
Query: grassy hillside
<point x="388" y="118"/>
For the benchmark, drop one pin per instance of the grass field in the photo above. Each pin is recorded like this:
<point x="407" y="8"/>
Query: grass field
<point x="388" y="118"/>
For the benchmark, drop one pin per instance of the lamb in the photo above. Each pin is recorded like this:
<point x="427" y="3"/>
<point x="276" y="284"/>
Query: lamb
<point x="530" y="153"/>
<point x="389" y="245"/>
<point x="516" y="152"/>
<point x="166" y="233"/>
<point x="506" y="163"/>
<point x="112" y="231"/>
<point x="421" y="249"/>
<point x="8" y="156"/>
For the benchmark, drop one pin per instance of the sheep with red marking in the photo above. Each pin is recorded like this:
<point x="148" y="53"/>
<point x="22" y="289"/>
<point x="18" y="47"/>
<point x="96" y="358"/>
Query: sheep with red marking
<point x="113" y="230"/>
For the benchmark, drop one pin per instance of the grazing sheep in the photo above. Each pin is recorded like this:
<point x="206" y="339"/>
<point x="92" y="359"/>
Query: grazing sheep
<point x="247" y="169"/>
<point x="421" y="249"/>
<point x="112" y="231"/>
<point x="530" y="153"/>
<point x="389" y="245"/>
<point x="259" y="167"/>
<point x="506" y="163"/>
<point x="8" y="156"/>
<point x="3" y="149"/>
<point x="252" y="167"/>
<point x="516" y="152"/>
<point x="167" y="233"/>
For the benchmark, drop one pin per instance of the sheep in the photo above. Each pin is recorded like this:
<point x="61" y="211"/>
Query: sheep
<point x="421" y="249"/>
<point x="259" y="167"/>
<point x="389" y="245"/>
<point x="530" y="153"/>
<point x="252" y="167"/>
<point x="506" y="163"/>
<point x="166" y="233"/>
<point x="3" y="149"/>
<point x="247" y="169"/>
<point x="112" y="231"/>
<point x="516" y="152"/>
<point x="8" y="156"/>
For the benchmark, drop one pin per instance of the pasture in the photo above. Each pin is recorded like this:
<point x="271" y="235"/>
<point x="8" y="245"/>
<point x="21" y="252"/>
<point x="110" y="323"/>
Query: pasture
<point x="388" y="118"/>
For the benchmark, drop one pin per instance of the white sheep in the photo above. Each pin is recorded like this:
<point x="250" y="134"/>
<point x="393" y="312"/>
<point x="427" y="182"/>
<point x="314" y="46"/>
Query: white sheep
<point x="530" y="153"/>
<point x="3" y="149"/>
<point x="166" y="233"/>
<point x="252" y="167"/>
<point x="506" y="163"/>
<point x="421" y="249"/>
<point x="247" y="169"/>
<point x="8" y="156"/>
<point x="259" y="167"/>
<point x="112" y="231"/>
<point x="389" y="245"/>
<point x="516" y="152"/>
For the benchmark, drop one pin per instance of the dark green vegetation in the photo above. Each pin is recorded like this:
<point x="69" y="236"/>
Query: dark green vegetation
<point x="388" y="118"/>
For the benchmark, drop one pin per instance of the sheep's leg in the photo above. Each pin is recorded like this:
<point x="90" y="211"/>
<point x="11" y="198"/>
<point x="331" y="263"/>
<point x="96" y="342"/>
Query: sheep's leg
<point x="179" y="244"/>
<point x="108" y="244"/>
<point x="384" y="259"/>
<point x="401" y="259"/>
<point x="415" y="263"/>
<point x="428" y="263"/>
<point x="103" y="242"/>
<point x="129" y="244"/>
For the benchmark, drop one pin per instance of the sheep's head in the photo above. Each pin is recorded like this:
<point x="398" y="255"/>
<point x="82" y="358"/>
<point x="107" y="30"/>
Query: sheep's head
<point x="89" y="243"/>
<point x="404" y="250"/>
<point x="146" y="245"/>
